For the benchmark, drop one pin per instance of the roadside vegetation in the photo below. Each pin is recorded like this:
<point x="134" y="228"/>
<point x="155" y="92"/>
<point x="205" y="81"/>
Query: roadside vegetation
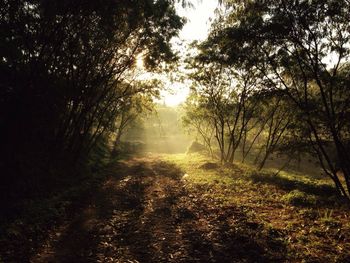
<point x="305" y="214"/>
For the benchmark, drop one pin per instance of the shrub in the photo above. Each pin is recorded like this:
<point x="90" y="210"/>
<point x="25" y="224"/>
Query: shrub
<point x="299" y="198"/>
<point x="195" y="147"/>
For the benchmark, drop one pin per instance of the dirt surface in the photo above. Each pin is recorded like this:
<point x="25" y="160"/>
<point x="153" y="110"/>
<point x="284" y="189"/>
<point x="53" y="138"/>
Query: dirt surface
<point x="144" y="213"/>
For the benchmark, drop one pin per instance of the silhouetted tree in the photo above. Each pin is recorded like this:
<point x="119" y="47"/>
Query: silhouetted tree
<point x="65" y="68"/>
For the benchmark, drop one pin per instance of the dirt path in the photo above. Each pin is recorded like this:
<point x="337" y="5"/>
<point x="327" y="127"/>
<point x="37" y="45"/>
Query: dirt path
<point x="144" y="213"/>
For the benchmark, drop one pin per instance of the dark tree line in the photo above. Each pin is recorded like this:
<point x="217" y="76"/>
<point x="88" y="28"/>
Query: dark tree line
<point x="67" y="71"/>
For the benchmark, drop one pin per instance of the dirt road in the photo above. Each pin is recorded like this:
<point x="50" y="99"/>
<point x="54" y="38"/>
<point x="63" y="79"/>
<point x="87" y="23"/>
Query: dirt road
<point x="144" y="213"/>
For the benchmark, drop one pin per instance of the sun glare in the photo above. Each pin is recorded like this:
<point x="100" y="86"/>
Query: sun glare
<point x="172" y="100"/>
<point x="139" y="62"/>
<point x="175" y="97"/>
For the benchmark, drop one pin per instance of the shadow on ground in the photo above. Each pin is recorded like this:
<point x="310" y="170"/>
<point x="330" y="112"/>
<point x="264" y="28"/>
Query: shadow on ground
<point x="143" y="213"/>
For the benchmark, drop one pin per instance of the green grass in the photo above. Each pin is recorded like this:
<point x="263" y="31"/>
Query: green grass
<point x="307" y="210"/>
<point x="190" y="163"/>
<point x="301" y="190"/>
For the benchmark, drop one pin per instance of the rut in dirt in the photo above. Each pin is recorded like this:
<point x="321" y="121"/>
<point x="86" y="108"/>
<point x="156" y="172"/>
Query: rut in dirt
<point x="144" y="213"/>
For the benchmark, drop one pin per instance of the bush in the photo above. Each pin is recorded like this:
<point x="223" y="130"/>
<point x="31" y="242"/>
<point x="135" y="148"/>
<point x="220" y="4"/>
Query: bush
<point x="209" y="166"/>
<point x="299" y="198"/>
<point x="195" y="147"/>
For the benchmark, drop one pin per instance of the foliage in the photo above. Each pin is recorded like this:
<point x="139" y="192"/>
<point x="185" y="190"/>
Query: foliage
<point x="221" y="104"/>
<point x="132" y="110"/>
<point x="299" y="198"/>
<point x="195" y="147"/>
<point x="301" y="50"/>
<point x="67" y="71"/>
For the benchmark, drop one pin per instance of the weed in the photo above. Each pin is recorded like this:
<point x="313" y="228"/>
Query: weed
<point x="326" y="217"/>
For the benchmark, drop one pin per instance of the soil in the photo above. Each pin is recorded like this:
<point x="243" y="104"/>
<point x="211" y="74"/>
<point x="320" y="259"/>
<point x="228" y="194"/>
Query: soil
<point x="144" y="213"/>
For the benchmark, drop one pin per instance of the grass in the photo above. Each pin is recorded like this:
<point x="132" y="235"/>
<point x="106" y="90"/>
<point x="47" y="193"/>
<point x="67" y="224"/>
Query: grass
<point x="303" y="214"/>
<point x="290" y="181"/>
<point x="300" y="191"/>
<point x="313" y="218"/>
<point x="191" y="163"/>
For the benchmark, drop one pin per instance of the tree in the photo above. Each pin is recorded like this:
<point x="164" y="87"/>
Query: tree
<point x="66" y="66"/>
<point x="132" y="108"/>
<point x="223" y="98"/>
<point x="196" y="119"/>
<point x="300" y="48"/>
<point x="276" y="120"/>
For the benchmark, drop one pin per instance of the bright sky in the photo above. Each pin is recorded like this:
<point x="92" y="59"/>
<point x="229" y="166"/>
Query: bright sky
<point x="196" y="28"/>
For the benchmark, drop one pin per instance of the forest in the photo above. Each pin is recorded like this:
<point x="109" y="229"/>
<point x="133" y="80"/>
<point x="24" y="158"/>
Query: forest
<point x="252" y="165"/>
